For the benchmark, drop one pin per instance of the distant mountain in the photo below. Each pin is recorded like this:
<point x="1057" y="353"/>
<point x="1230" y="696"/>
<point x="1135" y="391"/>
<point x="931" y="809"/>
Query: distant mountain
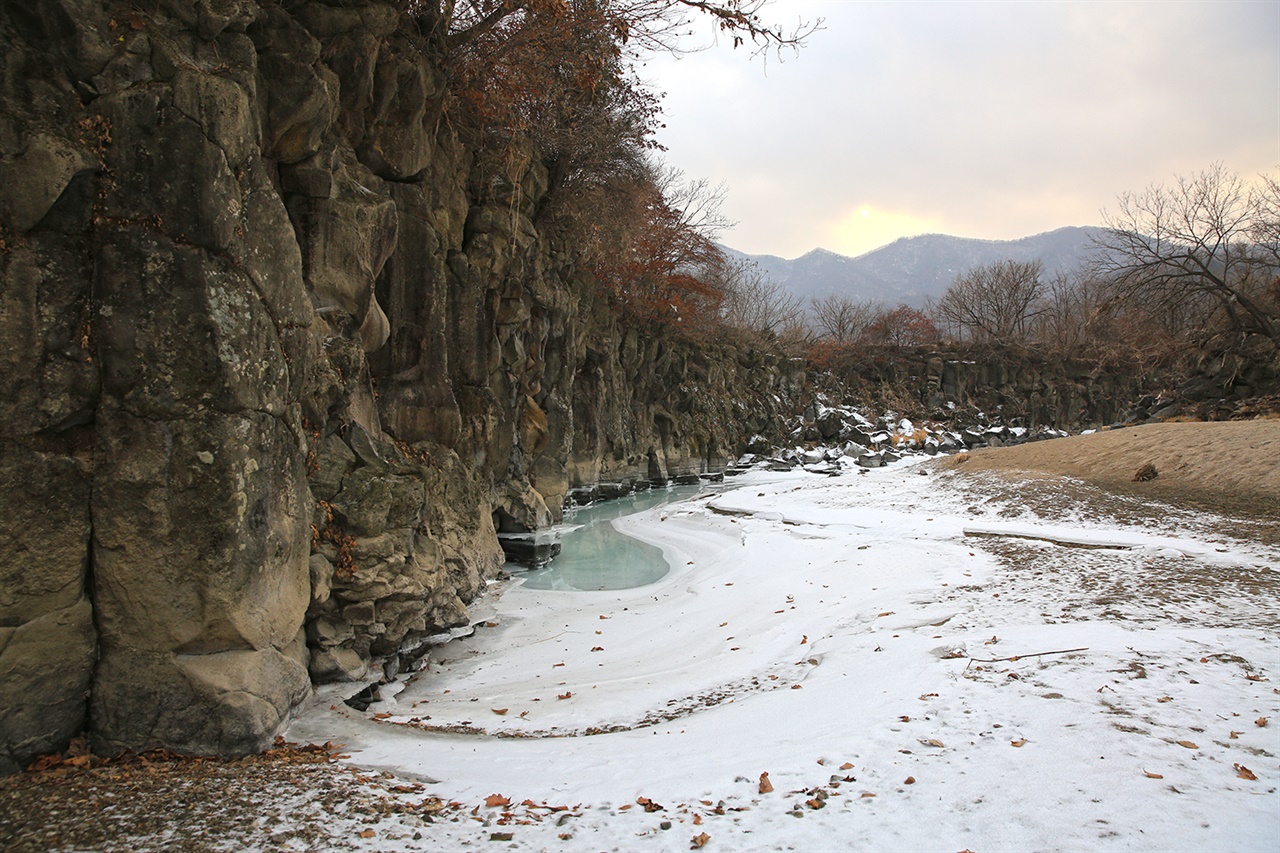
<point x="910" y="270"/>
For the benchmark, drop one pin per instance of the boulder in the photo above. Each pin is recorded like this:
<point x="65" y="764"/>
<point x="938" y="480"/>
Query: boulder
<point x="46" y="665"/>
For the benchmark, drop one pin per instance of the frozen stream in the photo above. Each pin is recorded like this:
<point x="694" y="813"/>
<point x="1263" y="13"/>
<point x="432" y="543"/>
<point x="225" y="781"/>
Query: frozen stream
<point x="595" y="555"/>
<point x="885" y="661"/>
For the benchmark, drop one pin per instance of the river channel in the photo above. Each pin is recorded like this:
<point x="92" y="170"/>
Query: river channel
<point x="594" y="555"/>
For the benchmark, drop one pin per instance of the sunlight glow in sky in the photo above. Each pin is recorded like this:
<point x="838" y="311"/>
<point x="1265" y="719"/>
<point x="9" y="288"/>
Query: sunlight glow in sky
<point x="991" y="120"/>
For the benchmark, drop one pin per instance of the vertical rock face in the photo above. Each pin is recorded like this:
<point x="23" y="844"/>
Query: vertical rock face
<point x="1022" y="387"/>
<point x="277" y="348"/>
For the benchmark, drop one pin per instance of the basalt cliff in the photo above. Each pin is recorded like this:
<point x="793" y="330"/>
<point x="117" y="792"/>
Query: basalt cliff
<point x="281" y="356"/>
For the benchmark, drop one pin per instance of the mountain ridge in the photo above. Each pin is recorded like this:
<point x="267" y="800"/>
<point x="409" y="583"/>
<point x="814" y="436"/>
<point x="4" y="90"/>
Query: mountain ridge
<point x="912" y="270"/>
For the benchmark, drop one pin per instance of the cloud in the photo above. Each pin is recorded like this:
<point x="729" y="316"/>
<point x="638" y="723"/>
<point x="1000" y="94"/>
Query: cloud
<point x="988" y="120"/>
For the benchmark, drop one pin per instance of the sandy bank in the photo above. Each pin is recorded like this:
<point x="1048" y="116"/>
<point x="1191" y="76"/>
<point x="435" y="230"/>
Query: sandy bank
<point x="1231" y="466"/>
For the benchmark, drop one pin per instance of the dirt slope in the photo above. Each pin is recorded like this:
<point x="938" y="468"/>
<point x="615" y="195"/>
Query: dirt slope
<point x="1228" y="466"/>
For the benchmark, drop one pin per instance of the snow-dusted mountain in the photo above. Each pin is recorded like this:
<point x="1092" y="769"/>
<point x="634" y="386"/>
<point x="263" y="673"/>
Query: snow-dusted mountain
<point x="913" y="269"/>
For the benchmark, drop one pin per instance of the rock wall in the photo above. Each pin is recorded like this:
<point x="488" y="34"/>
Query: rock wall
<point x="279" y="350"/>
<point x="1013" y="386"/>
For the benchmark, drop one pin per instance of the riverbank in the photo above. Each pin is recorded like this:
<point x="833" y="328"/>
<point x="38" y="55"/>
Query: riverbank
<point x="845" y="636"/>
<point x="897" y="659"/>
<point x="1231" y="466"/>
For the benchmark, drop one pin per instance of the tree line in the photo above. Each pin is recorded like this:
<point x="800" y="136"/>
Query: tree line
<point x="1190" y="264"/>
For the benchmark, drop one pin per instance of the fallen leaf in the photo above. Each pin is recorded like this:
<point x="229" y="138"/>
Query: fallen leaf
<point x="932" y="742"/>
<point x="1165" y="699"/>
<point x="886" y="613"/>
<point x="1234" y="735"/>
<point x="368" y="833"/>
<point x="1151" y="775"/>
<point x="524" y="714"/>
<point x="994" y="639"/>
<point x="924" y="696"/>
<point x="649" y="805"/>
<point x="501" y="712"/>
<point x="491" y="624"/>
<point x="383" y="716"/>
<point x="697" y="819"/>
<point x="1018" y="743"/>
<point x="846" y="766"/>
<point x="568" y="694"/>
<point x="1204" y="660"/>
<point x="501" y="836"/>
<point x="494" y="800"/>
<point x="722" y="624"/>
<point x="1188" y="744"/>
<point x="866" y="794"/>
<point x="816" y="803"/>
<point x="553" y="666"/>
<point x="1261" y="722"/>
<point x="910" y="780"/>
<point x="765" y="785"/>
<point x="699" y="840"/>
<point x="904" y="718"/>
<point x="796" y="686"/>
<point x="1244" y="772"/>
<point x="597" y="648"/>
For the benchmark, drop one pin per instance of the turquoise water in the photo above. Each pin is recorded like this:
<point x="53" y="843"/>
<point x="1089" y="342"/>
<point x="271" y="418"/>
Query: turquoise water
<point x="595" y="556"/>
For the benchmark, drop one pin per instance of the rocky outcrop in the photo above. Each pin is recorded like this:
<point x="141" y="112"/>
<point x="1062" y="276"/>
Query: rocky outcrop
<point x="1013" y="386"/>
<point x="281" y="353"/>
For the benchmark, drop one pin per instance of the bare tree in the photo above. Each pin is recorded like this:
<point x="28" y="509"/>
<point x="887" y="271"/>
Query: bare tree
<point x="842" y="320"/>
<point x="1265" y="233"/>
<point x="754" y="302"/>
<point x="1208" y="235"/>
<point x="1069" y="304"/>
<point x="697" y="202"/>
<point x="994" y="302"/>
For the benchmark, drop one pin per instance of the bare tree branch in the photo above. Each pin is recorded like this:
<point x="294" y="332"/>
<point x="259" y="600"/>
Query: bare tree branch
<point x="996" y="302"/>
<point x="1210" y="234"/>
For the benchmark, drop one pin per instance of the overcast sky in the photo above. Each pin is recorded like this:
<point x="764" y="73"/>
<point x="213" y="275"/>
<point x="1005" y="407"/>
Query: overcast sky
<point x="995" y="120"/>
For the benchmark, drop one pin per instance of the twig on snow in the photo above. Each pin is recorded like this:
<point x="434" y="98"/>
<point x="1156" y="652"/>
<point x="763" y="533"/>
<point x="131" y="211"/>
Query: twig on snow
<point x="1019" y="657"/>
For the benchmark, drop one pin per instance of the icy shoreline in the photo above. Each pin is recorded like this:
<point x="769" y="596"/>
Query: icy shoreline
<point x="809" y="624"/>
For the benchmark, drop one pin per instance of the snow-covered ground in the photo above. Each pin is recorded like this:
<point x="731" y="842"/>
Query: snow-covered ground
<point x="916" y="661"/>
